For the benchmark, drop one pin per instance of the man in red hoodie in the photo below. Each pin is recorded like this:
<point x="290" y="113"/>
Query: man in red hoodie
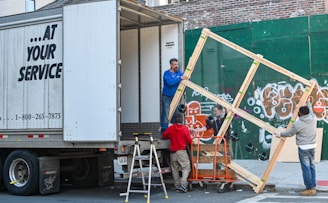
<point x="179" y="138"/>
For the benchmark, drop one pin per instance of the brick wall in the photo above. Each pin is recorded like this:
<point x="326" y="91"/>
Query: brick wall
<point x="209" y="13"/>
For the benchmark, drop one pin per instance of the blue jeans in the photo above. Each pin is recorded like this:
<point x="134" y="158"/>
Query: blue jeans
<point x="308" y="168"/>
<point x="165" y="103"/>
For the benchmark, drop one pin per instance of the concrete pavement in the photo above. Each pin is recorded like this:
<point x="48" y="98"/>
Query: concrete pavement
<point x="286" y="176"/>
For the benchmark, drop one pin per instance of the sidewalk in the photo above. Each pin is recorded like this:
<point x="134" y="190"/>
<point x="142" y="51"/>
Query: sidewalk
<point x="286" y="176"/>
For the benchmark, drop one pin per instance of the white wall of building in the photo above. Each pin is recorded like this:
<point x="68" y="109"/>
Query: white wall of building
<point x="41" y="3"/>
<point x="12" y="7"/>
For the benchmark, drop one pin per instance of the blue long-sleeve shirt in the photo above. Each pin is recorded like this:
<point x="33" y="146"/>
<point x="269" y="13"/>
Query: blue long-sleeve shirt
<point x="171" y="82"/>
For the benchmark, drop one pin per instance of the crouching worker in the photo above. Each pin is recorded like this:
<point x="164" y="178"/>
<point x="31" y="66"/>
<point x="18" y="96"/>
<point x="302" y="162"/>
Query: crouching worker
<point x="216" y="122"/>
<point x="179" y="139"/>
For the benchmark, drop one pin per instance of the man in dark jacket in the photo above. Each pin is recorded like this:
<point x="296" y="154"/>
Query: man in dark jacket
<point x="217" y="121"/>
<point x="305" y="130"/>
<point x="179" y="139"/>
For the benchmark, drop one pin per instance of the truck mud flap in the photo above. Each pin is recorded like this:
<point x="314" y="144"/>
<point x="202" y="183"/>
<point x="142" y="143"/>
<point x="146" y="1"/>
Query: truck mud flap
<point x="49" y="177"/>
<point x="105" y="170"/>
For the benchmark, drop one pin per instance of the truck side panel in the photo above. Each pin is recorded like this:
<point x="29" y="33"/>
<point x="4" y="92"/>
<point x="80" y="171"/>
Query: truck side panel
<point x="31" y="77"/>
<point x="90" y="82"/>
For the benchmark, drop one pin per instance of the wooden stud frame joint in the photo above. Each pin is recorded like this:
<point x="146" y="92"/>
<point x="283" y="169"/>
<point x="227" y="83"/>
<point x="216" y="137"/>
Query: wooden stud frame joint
<point x="255" y="182"/>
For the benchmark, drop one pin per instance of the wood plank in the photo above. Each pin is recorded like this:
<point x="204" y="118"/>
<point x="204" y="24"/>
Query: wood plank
<point x="256" y="57"/>
<point x="188" y="71"/>
<point x="243" y="179"/>
<point x="245" y="174"/>
<point x="240" y="172"/>
<point x="227" y="105"/>
<point x="239" y="97"/>
<point x="209" y="147"/>
<point x="209" y="173"/>
<point x="210" y="159"/>
<point x="276" y="153"/>
<point x="289" y="153"/>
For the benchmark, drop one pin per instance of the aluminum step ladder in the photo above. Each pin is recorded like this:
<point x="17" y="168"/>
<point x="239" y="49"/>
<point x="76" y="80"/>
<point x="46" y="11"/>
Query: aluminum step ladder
<point x="140" y="158"/>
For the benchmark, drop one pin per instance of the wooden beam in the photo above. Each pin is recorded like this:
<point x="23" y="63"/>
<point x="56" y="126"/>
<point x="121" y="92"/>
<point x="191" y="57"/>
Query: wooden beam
<point x="210" y="159"/>
<point x="239" y="97"/>
<point x="238" y="169"/>
<point x="227" y="105"/>
<point x="208" y="173"/>
<point x="139" y="13"/>
<point x="242" y="174"/>
<point x="245" y="174"/>
<point x="256" y="57"/>
<point x="257" y="183"/>
<point x="209" y="147"/>
<point x="245" y="180"/>
<point x="274" y="158"/>
<point x="129" y="20"/>
<point x="188" y="71"/>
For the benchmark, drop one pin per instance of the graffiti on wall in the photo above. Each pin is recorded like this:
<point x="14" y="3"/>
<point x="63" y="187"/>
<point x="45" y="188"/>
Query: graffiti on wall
<point x="197" y="112"/>
<point x="278" y="100"/>
<point x="273" y="103"/>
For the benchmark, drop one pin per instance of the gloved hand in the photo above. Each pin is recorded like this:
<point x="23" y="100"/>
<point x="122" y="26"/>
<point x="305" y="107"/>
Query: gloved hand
<point x="277" y="134"/>
<point x="210" y="121"/>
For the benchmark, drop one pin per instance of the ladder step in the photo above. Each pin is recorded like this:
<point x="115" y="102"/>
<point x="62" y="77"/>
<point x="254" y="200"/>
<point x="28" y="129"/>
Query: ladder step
<point x="142" y="157"/>
<point x="139" y="191"/>
<point x="133" y="191"/>
<point x="154" y="184"/>
<point x="145" y="172"/>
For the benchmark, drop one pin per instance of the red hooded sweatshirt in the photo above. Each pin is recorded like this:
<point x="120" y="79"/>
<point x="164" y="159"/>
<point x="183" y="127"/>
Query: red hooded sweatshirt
<point x="179" y="137"/>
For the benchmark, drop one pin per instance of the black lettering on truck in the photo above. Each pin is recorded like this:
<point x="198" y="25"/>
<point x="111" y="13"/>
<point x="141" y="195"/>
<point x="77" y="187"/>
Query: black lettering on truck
<point x="41" y="52"/>
<point x="40" y="72"/>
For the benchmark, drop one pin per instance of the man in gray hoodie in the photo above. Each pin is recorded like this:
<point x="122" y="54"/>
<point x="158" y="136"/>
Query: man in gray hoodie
<point x="305" y="130"/>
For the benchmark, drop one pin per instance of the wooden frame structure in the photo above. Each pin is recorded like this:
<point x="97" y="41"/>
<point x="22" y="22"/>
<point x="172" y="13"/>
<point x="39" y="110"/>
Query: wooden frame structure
<point x="255" y="182"/>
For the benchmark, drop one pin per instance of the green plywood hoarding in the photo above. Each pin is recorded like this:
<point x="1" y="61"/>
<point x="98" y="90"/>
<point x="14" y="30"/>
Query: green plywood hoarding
<point x="298" y="44"/>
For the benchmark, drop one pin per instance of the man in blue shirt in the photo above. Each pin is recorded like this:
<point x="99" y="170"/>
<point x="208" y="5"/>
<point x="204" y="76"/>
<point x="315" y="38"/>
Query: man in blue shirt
<point x="171" y="79"/>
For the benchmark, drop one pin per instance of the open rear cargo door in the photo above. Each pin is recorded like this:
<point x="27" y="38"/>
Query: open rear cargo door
<point x="90" y="71"/>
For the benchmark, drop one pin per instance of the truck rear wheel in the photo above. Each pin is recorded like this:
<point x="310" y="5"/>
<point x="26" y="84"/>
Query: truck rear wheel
<point x="21" y="173"/>
<point x="86" y="174"/>
<point x="1" y="181"/>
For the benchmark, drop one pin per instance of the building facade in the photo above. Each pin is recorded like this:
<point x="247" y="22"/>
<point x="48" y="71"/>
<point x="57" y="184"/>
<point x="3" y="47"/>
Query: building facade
<point x="210" y="13"/>
<point x="12" y="7"/>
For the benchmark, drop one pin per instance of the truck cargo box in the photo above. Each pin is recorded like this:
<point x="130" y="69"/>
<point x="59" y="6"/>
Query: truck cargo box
<point x="83" y="75"/>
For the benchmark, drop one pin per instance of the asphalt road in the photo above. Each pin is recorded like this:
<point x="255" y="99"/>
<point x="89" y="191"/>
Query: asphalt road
<point x="111" y="194"/>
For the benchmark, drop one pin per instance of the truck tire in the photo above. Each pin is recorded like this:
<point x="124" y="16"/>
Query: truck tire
<point x="1" y="181"/>
<point x="86" y="174"/>
<point x="2" y="160"/>
<point x="21" y="173"/>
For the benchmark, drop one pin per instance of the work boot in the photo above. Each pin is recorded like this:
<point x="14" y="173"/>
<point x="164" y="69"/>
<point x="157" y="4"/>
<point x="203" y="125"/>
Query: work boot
<point x="182" y="188"/>
<point x="308" y="192"/>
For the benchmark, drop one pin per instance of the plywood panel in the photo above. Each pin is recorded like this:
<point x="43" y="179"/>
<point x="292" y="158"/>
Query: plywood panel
<point x="129" y="76"/>
<point x="149" y="70"/>
<point x="290" y="152"/>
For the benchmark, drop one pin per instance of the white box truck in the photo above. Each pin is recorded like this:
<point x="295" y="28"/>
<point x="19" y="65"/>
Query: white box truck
<point x="75" y="83"/>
